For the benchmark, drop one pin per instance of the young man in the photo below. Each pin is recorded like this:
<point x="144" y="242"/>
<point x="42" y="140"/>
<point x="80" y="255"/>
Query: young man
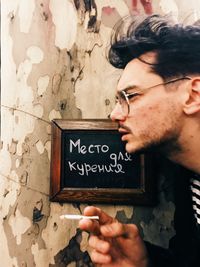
<point x="158" y="106"/>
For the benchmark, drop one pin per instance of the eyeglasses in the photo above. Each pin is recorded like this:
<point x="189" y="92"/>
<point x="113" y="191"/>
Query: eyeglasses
<point x="123" y="98"/>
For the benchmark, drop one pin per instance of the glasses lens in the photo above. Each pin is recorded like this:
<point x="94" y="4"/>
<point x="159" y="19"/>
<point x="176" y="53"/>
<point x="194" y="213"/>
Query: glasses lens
<point x="124" y="107"/>
<point x="122" y="101"/>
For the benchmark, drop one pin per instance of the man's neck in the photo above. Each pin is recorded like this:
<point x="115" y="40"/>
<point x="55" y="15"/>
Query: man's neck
<point x="189" y="153"/>
<point x="187" y="160"/>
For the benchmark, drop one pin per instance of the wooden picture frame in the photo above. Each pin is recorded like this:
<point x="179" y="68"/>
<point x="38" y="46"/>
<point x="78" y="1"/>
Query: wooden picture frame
<point x="89" y="164"/>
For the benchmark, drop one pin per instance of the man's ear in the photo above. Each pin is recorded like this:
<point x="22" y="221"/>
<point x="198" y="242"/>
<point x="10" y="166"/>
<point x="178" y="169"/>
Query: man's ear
<point x="192" y="105"/>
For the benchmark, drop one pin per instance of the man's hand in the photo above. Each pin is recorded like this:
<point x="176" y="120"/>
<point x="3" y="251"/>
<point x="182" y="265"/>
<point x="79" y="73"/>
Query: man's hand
<point x="113" y="243"/>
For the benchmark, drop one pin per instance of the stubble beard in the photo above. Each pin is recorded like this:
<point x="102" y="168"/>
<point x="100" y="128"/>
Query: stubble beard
<point x="166" y="145"/>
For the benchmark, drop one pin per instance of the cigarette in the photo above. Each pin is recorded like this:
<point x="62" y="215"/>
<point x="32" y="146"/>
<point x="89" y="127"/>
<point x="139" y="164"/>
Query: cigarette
<point x="78" y="217"/>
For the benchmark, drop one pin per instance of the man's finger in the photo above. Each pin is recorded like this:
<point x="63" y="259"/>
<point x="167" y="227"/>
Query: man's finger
<point x="91" y="226"/>
<point x="104" y="218"/>
<point x="117" y="229"/>
<point x="98" y="244"/>
<point x="100" y="258"/>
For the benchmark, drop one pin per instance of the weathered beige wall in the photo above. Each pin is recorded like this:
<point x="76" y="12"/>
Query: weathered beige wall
<point x="54" y="66"/>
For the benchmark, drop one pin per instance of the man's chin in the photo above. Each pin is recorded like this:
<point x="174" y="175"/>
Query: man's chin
<point x="131" y="149"/>
<point x="141" y="150"/>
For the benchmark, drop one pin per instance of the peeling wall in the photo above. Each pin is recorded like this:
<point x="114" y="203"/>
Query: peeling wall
<point x="53" y="58"/>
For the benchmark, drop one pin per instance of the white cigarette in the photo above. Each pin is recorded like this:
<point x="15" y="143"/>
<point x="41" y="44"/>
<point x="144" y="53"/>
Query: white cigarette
<point x="78" y="217"/>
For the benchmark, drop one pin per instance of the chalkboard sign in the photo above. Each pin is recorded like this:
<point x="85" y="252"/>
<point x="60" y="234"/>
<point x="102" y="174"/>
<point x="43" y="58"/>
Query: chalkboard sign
<point x="89" y="164"/>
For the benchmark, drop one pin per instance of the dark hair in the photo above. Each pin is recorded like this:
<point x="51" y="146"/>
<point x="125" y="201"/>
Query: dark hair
<point x="177" y="47"/>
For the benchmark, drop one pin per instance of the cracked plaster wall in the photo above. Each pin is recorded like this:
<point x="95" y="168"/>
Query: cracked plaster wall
<point x="53" y="58"/>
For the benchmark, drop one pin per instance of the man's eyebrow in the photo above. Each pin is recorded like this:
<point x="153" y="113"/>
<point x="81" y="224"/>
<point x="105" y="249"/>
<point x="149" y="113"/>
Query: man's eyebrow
<point x="129" y="87"/>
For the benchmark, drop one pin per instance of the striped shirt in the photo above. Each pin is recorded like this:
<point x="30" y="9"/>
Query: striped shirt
<point x="195" y="190"/>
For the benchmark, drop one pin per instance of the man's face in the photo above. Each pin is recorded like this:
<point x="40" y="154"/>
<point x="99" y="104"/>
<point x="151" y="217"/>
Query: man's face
<point x="155" y="116"/>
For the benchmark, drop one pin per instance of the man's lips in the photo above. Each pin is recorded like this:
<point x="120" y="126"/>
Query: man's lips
<point x="124" y="133"/>
<point x="123" y="130"/>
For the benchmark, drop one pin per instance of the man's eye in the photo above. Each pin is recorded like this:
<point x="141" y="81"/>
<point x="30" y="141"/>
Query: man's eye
<point x="132" y="95"/>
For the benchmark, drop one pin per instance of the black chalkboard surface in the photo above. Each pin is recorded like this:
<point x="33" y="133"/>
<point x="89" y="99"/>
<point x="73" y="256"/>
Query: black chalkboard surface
<point x="89" y="164"/>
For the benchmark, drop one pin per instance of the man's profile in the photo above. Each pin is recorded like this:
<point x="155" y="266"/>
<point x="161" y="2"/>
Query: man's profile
<point x="157" y="106"/>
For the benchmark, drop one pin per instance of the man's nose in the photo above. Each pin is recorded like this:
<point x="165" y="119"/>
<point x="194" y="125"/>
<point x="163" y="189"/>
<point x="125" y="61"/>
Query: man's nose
<point x="117" y="113"/>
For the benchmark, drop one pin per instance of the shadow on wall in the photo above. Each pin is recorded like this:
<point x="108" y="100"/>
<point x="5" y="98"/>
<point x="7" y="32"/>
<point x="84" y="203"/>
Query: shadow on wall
<point x="72" y="253"/>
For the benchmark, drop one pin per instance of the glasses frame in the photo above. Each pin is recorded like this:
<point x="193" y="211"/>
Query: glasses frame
<point x="123" y="95"/>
